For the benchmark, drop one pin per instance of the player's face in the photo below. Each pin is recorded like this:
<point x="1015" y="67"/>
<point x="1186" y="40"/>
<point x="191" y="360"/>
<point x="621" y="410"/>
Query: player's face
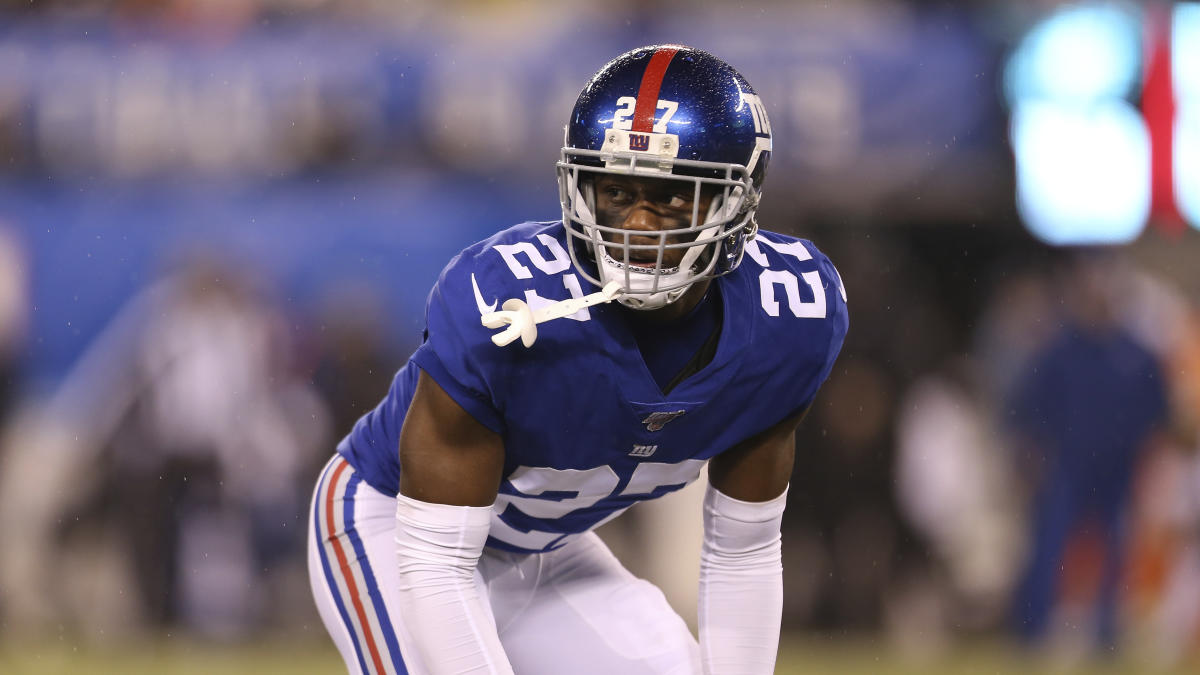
<point x="648" y="206"/>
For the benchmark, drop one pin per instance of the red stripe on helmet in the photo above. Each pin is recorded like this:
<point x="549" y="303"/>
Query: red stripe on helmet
<point x="647" y="98"/>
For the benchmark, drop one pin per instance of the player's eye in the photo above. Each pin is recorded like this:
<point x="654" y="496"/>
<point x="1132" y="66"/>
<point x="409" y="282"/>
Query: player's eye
<point x="617" y="194"/>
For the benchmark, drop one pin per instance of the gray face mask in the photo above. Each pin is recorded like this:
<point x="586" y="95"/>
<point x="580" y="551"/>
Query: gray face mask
<point x="645" y="280"/>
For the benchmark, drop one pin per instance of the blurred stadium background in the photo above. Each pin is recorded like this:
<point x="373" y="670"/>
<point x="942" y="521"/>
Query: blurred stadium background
<point x="219" y="220"/>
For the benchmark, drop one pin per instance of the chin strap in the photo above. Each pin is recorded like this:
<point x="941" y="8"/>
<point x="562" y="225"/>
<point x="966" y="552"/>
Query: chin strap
<point x="522" y="321"/>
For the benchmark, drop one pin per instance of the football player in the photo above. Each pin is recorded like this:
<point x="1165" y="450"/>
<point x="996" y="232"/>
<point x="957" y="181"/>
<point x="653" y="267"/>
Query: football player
<point x="659" y="331"/>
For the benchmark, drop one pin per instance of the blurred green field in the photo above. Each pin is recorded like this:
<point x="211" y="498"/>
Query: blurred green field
<point x="807" y="656"/>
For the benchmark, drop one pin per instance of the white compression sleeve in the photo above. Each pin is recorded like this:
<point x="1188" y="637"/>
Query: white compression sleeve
<point x="741" y="584"/>
<point x="445" y="618"/>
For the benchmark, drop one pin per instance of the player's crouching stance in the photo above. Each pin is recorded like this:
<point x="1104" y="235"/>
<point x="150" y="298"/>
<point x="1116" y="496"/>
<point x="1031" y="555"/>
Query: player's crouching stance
<point x="471" y="549"/>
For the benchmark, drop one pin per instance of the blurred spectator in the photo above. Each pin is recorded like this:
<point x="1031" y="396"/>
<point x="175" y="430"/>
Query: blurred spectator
<point x="1084" y="408"/>
<point x="192" y="433"/>
<point x="14" y="307"/>
<point x="955" y="487"/>
<point x="1018" y="318"/>
<point x="1163" y="581"/>
<point x="1170" y="552"/>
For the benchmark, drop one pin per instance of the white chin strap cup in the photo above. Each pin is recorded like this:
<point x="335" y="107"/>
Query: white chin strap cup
<point x="522" y="321"/>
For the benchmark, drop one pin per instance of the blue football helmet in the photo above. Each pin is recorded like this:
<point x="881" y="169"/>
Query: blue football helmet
<point x="665" y="113"/>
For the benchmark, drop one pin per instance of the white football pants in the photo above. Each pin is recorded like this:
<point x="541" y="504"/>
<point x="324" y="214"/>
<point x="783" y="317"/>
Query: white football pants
<point x="574" y="610"/>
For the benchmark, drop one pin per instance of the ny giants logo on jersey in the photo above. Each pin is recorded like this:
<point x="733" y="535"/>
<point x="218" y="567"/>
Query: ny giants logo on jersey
<point x="658" y="420"/>
<point x="643" y="450"/>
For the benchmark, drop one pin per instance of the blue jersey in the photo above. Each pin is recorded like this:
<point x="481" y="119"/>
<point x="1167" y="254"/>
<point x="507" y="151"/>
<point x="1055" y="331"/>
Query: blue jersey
<point x="587" y="431"/>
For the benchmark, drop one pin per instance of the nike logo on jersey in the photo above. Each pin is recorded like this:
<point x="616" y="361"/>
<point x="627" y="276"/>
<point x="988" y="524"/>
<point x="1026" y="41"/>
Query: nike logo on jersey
<point x="658" y="420"/>
<point x="484" y="308"/>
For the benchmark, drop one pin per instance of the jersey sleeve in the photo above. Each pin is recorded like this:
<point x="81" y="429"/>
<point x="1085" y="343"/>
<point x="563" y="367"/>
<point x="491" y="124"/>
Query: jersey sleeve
<point x="818" y="351"/>
<point x="837" y="316"/>
<point x="457" y="351"/>
<point x="796" y="304"/>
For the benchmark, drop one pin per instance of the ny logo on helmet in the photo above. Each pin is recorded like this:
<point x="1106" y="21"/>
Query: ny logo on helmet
<point x="639" y="142"/>
<point x="658" y="420"/>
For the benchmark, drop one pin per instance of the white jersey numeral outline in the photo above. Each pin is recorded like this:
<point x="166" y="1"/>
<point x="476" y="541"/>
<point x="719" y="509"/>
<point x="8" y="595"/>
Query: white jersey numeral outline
<point x="559" y="260"/>
<point x="768" y="279"/>
<point x="575" y="489"/>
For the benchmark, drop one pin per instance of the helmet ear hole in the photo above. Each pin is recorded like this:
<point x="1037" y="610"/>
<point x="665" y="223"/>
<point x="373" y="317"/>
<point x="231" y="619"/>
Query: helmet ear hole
<point x="759" y="172"/>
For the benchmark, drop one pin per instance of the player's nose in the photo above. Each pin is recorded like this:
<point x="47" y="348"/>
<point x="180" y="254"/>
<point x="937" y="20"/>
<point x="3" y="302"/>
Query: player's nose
<point x="643" y="218"/>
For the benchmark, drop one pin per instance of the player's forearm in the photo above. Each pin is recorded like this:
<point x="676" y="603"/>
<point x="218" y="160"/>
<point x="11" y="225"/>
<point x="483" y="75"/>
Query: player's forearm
<point x="444" y="617"/>
<point x="741" y="585"/>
